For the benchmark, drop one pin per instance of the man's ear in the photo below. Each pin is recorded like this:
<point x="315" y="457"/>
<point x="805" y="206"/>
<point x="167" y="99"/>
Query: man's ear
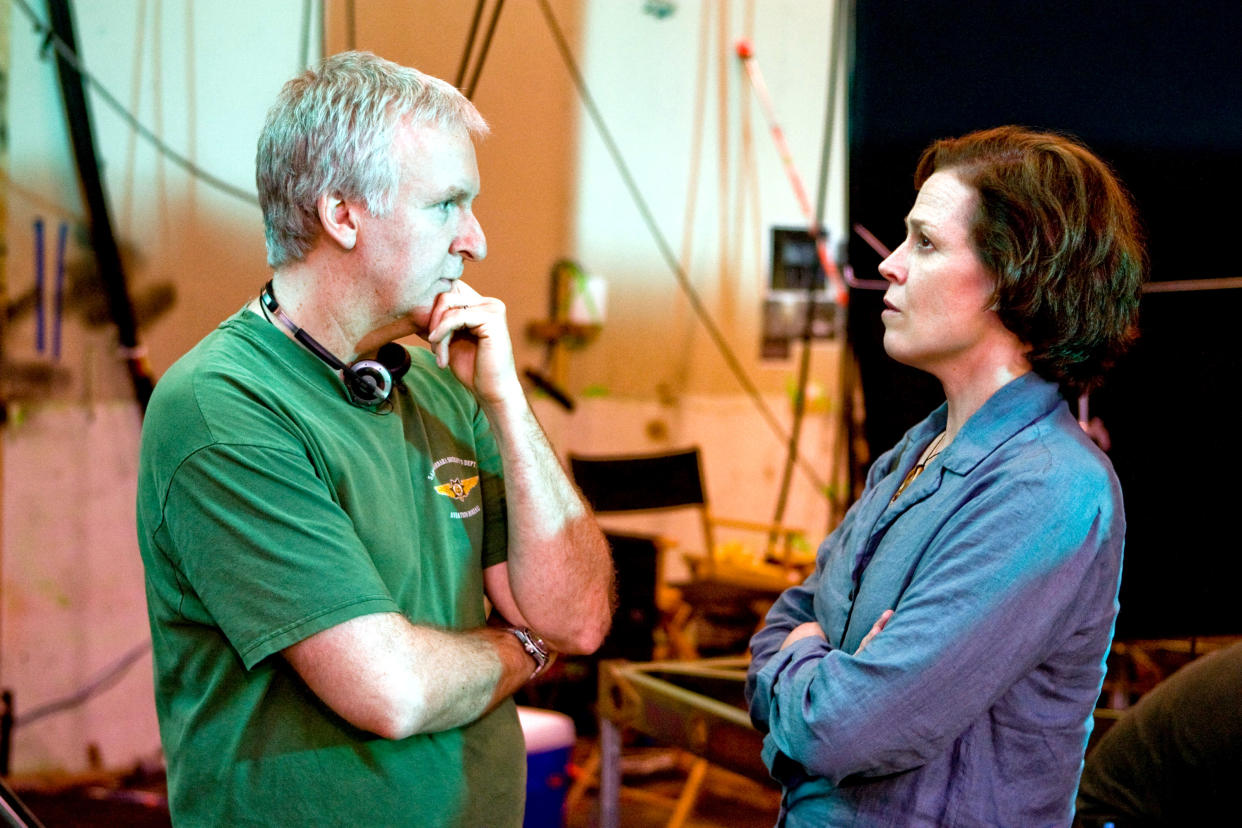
<point x="339" y="219"/>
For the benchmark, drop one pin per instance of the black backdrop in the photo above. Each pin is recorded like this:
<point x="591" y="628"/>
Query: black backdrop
<point x="1155" y="89"/>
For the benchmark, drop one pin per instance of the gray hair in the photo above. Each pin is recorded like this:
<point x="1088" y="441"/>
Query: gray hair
<point x="331" y="131"/>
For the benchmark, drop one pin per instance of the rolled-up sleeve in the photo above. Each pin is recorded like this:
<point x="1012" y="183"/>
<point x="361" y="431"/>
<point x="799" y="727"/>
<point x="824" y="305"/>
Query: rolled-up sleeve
<point x="794" y="607"/>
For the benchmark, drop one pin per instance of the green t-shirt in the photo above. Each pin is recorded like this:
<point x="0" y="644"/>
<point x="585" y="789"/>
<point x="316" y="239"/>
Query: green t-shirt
<point x="269" y="509"/>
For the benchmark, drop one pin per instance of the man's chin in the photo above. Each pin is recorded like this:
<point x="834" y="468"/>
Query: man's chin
<point x="412" y="324"/>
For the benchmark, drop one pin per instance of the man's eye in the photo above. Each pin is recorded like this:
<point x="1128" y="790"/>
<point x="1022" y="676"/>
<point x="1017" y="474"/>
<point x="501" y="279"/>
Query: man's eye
<point x="922" y="241"/>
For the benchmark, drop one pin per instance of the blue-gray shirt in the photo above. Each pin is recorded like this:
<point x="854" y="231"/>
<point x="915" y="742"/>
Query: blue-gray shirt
<point x="1002" y="562"/>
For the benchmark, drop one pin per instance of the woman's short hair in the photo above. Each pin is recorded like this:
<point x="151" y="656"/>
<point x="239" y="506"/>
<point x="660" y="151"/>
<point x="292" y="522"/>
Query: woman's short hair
<point x="331" y="131"/>
<point x="1061" y="236"/>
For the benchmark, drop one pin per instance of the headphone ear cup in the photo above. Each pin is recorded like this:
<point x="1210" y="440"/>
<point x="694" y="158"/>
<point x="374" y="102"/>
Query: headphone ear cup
<point x="396" y="358"/>
<point x="369" y="382"/>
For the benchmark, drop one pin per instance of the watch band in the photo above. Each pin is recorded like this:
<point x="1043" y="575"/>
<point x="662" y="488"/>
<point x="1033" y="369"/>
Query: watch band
<point x="534" y="646"/>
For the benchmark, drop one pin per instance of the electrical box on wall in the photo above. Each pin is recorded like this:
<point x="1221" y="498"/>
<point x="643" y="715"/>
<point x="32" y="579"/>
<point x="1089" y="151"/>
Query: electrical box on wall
<point x="798" y="303"/>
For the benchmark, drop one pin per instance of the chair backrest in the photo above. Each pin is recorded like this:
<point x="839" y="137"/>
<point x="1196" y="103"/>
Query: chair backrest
<point x="640" y="482"/>
<point x="637" y="561"/>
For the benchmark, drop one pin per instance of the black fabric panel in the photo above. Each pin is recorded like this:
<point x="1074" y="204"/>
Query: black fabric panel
<point x="1155" y="89"/>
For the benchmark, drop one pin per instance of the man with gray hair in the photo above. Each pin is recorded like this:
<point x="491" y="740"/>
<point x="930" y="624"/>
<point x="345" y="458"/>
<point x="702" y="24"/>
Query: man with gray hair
<point x="322" y="511"/>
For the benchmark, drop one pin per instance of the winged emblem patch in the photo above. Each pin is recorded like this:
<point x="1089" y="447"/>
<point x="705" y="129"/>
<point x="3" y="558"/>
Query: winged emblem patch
<point x="458" y="488"/>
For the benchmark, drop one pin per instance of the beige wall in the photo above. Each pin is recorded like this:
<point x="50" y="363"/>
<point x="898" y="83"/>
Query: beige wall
<point x="201" y="75"/>
<point x="681" y="109"/>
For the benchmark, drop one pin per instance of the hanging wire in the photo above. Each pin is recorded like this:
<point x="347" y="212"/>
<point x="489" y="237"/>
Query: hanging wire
<point x="465" y="52"/>
<point x="836" y="43"/>
<point x="696" y="146"/>
<point x="748" y="169"/>
<point x="722" y="143"/>
<point x="662" y="244"/>
<point x="680" y="368"/>
<point x="75" y="62"/>
<point x="109" y="676"/>
<point x="836" y="46"/>
<point x="304" y="40"/>
<point x="487" y="44"/>
<point x="125" y="215"/>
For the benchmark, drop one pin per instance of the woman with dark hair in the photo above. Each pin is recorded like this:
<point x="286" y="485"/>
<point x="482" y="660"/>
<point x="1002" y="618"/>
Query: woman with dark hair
<point x="940" y="665"/>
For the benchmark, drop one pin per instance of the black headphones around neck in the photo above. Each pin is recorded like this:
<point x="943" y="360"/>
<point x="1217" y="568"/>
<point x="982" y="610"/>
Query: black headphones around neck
<point x="369" y="382"/>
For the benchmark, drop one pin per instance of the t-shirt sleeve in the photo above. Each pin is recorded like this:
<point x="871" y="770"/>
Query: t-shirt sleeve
<point x="491" y="477"/>
<point x="266" y="550"/>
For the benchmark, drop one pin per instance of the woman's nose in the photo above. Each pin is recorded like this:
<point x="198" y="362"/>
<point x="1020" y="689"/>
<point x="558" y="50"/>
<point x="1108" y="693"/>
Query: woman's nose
<point x="894" y="267"/>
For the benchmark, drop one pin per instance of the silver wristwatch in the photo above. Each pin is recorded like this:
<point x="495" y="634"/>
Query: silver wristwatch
<point x="535" y="646"/>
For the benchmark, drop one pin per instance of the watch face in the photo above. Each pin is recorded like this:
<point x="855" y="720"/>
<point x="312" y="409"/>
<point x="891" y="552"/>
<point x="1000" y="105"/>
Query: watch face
<point x="532" y="643"/>
<point x="537" y="643"/>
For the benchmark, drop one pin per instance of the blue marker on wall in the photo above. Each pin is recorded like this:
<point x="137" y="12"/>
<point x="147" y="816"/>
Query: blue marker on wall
<point x="38" y="286"/>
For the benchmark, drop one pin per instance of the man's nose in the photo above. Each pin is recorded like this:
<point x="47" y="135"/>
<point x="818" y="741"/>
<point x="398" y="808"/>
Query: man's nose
<point x="470" y="242"/>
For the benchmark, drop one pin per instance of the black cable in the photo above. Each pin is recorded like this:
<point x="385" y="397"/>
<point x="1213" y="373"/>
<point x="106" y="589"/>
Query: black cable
<point x="69" y="55"/>
<point x="821" y="200"/>
<point x="107" y="254"/>
<point x="662" y="244"/>
<point x="487" y="44"/>
<point x="799" y="413"/>
<point x="6" y="730"/>
<point x="838" y="41"/>
<point x="465" y="53"/>
<point x="849" y="361"/>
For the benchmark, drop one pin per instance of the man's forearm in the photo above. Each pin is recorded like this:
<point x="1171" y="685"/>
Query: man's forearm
<point x="449" y="704"/>
<point x="560" y="569"/>
<point x="385" y="675"/>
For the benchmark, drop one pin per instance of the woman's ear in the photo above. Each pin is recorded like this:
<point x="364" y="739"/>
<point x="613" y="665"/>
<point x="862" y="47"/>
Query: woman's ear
<point x="339" y="219"/>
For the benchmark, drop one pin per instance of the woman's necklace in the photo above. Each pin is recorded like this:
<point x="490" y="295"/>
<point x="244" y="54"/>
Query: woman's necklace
<point x="919" y="466"/>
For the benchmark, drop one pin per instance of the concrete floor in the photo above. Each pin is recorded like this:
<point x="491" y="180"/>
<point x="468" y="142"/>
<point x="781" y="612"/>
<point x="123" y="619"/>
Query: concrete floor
<point x="726" y="800"/>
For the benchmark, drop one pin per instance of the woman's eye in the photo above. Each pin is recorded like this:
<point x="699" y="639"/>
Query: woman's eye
<point x="922" y="241"/>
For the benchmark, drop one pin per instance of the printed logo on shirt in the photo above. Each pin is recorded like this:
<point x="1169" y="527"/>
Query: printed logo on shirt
<point x="459" y="485"/>
<point x="458" y="488"/>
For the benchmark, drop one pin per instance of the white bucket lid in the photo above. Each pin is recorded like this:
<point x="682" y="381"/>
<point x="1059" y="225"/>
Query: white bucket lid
<point x="545" y="729"/>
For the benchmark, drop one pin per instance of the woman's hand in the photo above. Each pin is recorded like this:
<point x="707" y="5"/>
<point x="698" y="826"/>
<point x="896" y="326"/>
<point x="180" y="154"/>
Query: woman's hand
<point x="803" y="630"/>
<point x="875" y="630"/>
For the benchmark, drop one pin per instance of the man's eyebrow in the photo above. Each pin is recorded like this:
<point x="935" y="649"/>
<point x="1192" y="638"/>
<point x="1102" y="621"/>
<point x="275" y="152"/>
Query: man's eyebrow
<point x="456" y="193"/>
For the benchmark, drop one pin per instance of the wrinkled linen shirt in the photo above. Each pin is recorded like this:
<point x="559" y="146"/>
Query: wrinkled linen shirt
<point x="1002" y="562"/>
